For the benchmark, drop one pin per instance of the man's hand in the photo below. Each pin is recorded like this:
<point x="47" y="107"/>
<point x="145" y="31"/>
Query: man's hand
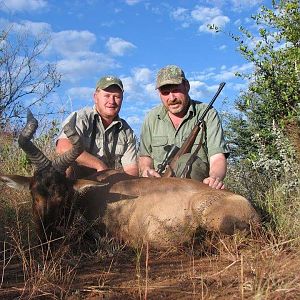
<point x="150" y="173"/>
<point x="101" y="166"/>
<point x="214" y="182"/>
<point x="146" y="167"/>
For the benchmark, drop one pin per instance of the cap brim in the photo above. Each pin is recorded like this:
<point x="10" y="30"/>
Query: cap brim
<point x="110" y="84"/>
<point x="169" y="81"/>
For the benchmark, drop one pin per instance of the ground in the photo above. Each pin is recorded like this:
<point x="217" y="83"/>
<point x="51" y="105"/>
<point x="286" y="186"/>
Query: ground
<point x="231" y="268"/>
<point x="256" y="266"/>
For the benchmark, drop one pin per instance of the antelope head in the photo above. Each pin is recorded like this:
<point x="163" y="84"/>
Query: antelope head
<point x="53" y="194"/>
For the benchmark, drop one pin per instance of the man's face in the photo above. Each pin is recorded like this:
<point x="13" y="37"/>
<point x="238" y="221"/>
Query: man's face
<point x="175" y="98"/>
<point x="108" y="101"/>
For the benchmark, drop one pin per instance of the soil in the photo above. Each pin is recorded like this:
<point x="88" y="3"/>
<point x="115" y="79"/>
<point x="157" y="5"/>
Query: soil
<point x="186" y="273"/>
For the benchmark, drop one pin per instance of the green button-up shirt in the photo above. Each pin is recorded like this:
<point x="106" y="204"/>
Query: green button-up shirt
<point x="115" y="145"/>
<point x="158" y="132"/>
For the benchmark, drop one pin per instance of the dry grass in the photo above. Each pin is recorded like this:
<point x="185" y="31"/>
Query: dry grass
<point x="263" y="265"/>
<point x="259" y="266"/>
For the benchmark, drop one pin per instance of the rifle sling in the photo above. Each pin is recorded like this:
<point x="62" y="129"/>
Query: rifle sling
<point x="193" y="156"/>
<point x="93" y="135"/>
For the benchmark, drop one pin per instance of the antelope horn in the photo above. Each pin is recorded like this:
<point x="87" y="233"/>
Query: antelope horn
<point x="62" y="162"/>
<point x="35" y="155"/>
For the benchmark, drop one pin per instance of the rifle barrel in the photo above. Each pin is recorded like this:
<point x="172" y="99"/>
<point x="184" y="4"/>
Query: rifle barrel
<point x="222" y="84"/>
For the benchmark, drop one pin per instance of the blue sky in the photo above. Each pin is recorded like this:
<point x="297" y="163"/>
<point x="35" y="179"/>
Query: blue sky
<point x="133" y="39"/>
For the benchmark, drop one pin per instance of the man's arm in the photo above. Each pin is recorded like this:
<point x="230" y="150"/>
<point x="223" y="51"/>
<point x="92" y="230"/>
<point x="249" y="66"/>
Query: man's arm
<point x="146" y="167"/>
<point x="217" y="171"/>
<point x="85" y="159"/>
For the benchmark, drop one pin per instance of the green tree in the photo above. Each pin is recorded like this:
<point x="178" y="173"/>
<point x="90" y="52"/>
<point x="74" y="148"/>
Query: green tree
<point x="273" y="96"/>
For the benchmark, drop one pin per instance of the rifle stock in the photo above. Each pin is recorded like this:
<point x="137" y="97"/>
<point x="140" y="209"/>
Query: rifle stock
<point x="185" y="148"/>
<point x="189" y="142"/>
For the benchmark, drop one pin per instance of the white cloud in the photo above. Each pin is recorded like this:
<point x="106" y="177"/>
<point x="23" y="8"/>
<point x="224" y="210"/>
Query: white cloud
<point x="22" y="5"/>
<point x="196" y="91"/>
<point x="128" y="84"/>
<point x="132" y="2"/>
<point x="151" y="91"/>
<point x="204" y="14"/>
<point x="71" y="49"/>
<point x="222" y="47"/>
<point x="228" y="74"/>
<point x="200" y="14"/>
<point x="143" y="75"/>
<point x="36" y="28"/>
<point x="209" y="16"/>
<point x="182" y="15"/>
<point x="118" y="46"/>
<point x="225" y="75"/>
<point x="25" y="26"/>
<point x="239" y="86"/>
<point x="237" y="22"/>
<point x="202" y="91"/>
<point x="91" y="63"/>
<point x="204" y="75"/>
<point x="244" y="4"/>
<point x="72" y="42"/>
<point x="134" y="120"/>
<point x="138" y="100"/>
<point x="140" y="86"/>
<point x="80" y="93"/>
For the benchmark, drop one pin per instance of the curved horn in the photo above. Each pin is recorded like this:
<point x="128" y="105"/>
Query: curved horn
<point x="36" y="156"/>
<point x="62" y="162"/>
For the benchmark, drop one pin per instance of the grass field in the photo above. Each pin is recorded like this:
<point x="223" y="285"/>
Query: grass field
<point x="261" y="265"/>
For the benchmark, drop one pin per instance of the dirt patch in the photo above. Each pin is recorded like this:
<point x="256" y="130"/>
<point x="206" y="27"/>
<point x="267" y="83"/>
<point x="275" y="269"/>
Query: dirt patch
<point x="188" y="273"/>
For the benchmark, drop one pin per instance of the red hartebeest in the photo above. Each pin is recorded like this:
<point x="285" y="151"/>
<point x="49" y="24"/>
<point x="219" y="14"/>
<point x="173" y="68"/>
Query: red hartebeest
<point x="161" y="211"/>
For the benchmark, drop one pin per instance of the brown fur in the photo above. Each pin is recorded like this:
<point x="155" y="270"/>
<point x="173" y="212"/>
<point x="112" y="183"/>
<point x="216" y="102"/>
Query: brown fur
<point x="166" y="211"/>
<point x="161" y="211"/>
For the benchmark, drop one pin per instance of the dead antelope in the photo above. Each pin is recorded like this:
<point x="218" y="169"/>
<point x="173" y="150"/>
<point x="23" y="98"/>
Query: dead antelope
<point x="161" y="211"/>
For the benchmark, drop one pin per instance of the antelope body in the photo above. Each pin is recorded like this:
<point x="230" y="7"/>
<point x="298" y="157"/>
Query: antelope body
<point x="161" y="211"/>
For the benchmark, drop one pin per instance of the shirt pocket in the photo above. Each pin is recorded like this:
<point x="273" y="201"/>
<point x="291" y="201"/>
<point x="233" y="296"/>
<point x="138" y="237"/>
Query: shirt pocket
<point x="116" y="155"/>
<point x="121" y="144"/>
<point x="158" y="151"/>
<point x="120" y="148"/>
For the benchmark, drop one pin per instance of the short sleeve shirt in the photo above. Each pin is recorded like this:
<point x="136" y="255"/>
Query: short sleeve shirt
<point x="114" y="145"/>
<point x="158" y="132"/>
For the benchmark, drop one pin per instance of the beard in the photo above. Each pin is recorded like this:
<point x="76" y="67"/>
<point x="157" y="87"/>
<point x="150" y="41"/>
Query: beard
<point x="174" y="101"/>
<point x="177" y="107"/>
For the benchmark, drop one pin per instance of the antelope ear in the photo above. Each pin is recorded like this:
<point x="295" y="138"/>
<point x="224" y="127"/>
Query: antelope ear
<point x="81" y="184"/>
<point x="16" y="181"/>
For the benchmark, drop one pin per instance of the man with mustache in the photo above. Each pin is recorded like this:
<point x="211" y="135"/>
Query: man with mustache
<point x="109" y="141"/>
<point x="172" y="122"/>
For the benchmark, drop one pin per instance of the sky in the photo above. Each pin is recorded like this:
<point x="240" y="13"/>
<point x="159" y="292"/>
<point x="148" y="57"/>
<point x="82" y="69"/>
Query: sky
<point x="133" y="39"/>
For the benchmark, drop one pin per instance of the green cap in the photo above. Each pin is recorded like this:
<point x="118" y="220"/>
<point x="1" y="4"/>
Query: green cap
<point x="107" y="81"/>
<point x="170" y="74"/>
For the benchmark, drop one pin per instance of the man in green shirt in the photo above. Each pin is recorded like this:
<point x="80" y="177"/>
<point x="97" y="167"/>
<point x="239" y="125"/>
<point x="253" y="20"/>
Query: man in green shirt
<point x="109" y="141"/>
<point x="171" y="123"/>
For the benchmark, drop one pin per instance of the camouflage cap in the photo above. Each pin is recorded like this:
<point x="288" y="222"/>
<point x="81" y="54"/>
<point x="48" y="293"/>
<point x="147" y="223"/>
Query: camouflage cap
<point x="107" y="81"/>
<point x="170" y="74"/>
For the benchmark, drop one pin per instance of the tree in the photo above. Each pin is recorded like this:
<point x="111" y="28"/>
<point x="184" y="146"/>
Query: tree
<point x="23" y="73"/>
<point x="273" y="97"/>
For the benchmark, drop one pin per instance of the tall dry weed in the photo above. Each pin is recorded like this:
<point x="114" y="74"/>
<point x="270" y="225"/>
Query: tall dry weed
<point x="273" y="186"/>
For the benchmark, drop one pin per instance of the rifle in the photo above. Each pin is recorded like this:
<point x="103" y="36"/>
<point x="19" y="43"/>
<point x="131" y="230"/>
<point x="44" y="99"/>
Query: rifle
<point x="175" y="152"/>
